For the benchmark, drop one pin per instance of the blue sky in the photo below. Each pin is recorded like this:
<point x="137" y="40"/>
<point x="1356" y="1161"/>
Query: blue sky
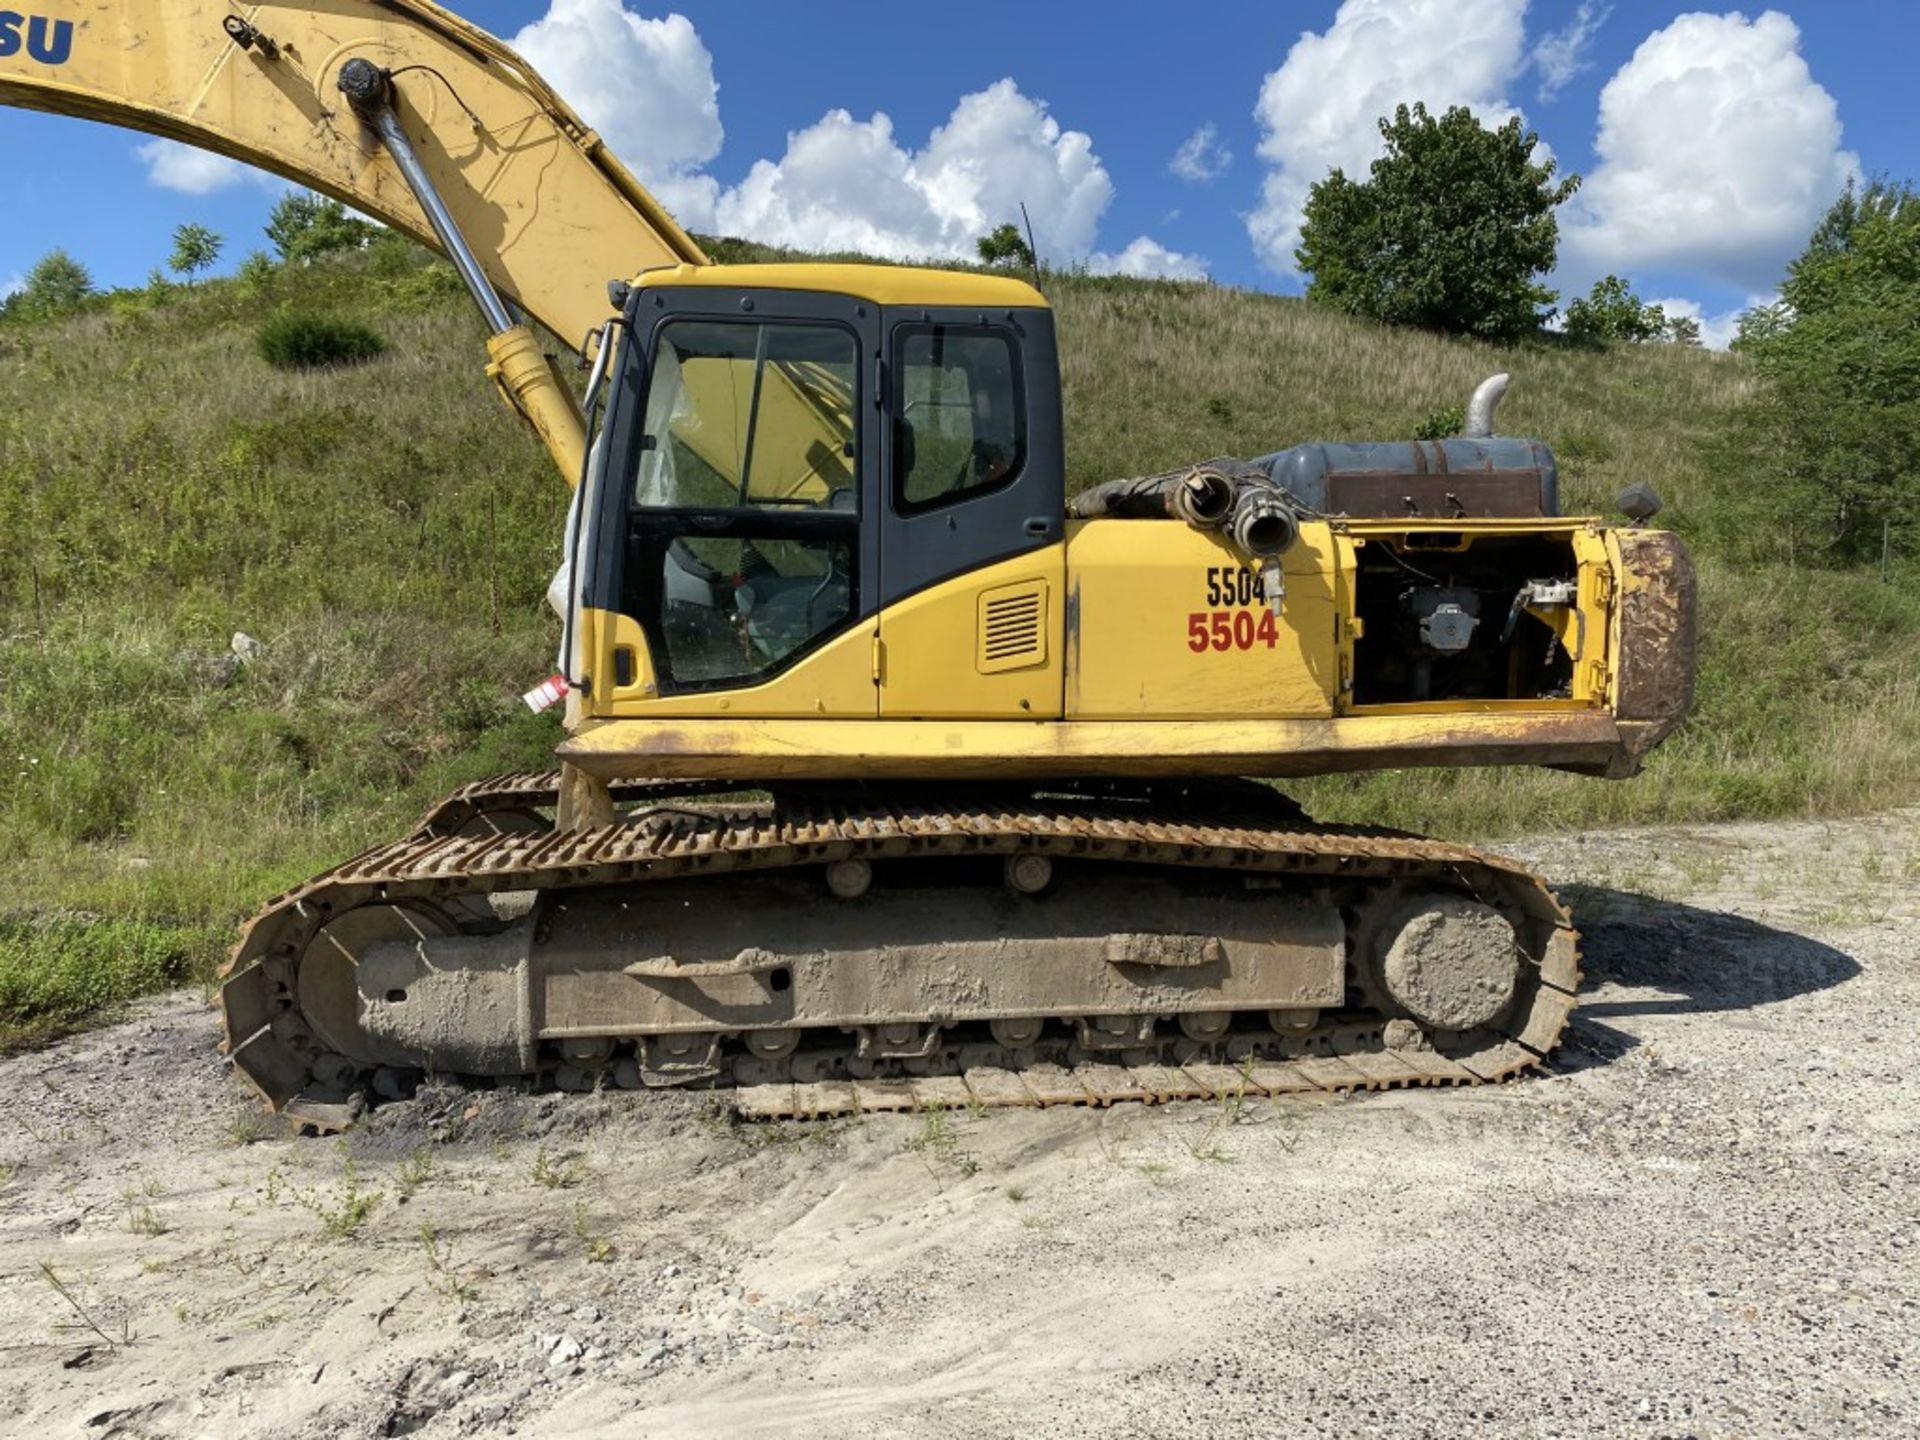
<point x="1710" y="139"/>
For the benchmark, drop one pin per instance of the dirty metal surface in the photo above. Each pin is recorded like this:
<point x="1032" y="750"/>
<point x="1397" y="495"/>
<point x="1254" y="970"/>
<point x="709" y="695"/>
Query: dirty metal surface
<point x="1658" y="623"/>
<point x="274" y="1044"/>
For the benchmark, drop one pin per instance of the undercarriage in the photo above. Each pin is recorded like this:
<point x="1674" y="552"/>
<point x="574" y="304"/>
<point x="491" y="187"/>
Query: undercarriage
<point x="827" y="951"/>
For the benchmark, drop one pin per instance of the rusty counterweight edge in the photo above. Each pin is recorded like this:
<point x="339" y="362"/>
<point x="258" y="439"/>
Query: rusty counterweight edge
<point x="662" y="844"/>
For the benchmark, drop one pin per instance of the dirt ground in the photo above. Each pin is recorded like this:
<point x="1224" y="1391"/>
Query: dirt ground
<point x="1701" y="1223"/>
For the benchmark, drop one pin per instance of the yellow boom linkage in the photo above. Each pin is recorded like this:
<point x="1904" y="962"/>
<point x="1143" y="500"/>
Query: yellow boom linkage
<point x="537" y="213"/>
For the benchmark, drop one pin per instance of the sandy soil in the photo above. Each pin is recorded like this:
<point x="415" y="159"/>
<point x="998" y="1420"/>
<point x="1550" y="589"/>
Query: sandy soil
<point x="1702" y="1224"/>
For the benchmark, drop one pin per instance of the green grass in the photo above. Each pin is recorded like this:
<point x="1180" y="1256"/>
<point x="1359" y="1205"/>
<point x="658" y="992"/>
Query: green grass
<point x="387" y="530"/>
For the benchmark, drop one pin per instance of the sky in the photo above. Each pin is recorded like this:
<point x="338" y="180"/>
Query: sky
<point x="1145" y="139"/>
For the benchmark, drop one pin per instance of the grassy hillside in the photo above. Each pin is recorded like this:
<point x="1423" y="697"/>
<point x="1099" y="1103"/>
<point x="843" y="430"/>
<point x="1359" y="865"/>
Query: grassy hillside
<point x="387" y="532"/>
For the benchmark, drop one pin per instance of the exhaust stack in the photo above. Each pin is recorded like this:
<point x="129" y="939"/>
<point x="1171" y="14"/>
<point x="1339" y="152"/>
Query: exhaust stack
<point x="1486" y="398"/>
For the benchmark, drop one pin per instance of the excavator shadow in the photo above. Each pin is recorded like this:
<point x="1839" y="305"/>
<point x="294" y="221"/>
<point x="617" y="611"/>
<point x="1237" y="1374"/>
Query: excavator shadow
<point x="1680" y="959"/>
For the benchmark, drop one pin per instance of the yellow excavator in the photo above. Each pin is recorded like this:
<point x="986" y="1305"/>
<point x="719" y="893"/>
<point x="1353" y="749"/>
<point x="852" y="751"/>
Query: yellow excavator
<point x="1004" y="840"/>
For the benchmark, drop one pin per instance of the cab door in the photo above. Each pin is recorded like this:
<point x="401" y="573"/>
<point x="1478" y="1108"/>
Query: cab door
<point x="972" y="517"/>
<point x="743" y="514"/>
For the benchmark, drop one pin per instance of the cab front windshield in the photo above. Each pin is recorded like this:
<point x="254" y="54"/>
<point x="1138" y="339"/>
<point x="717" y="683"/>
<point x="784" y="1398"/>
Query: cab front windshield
<point x="750" y="427"/>
<point x="749" y="415"/>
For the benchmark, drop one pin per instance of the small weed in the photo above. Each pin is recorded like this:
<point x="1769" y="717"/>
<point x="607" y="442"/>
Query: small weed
<point x="1233" y="1111"/>
<point x="1016" y="1193"/>
<point x="564" y="1174"/>
<point x="249" y="1125"/>
<point x="87" y="1320"/>
<point x="441" y="1273"/>
<point x="597" y="1248"/>
<point x="140" y="1217"/>
<point x="938" y="1143"/>
<point x="415" y="1170"/>
<point x="267" y="1321"/>
<point x="342" y="1214"/>
<point x="1208" y="1149"/>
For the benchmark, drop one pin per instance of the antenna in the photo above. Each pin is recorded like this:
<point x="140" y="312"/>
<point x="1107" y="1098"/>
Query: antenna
<point x="1033" y="255"/>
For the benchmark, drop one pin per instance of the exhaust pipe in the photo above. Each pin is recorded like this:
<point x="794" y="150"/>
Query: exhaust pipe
<point x="1486" y="398"/>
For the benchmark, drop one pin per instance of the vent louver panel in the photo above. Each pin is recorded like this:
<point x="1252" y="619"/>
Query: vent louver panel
<point x="1013" y="627"/>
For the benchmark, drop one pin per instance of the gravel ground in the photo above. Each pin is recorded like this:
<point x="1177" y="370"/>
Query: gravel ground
<point x="1702" y="1223"/>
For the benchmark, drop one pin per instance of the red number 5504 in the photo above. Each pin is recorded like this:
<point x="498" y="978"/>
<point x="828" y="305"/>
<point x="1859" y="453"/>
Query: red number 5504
<point x="1231" y="630"/>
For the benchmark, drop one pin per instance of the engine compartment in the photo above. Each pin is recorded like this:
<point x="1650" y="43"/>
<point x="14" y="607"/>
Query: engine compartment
<point x="1447" y="615"/>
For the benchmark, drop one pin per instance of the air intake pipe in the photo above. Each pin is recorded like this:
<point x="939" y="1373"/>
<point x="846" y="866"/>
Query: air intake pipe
<point x="1264" y="526"/>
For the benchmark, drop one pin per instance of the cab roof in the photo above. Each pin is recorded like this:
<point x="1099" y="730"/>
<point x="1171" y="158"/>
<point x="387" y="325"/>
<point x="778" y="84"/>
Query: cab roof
<point x="881" y="284"/>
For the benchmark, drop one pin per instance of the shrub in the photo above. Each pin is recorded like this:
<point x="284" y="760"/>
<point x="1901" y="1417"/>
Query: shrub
<point x="311" y="342"/>
<point x="1442" y="423"/>
<point x="1612" y="313"/>
<point x="256" y="272"/>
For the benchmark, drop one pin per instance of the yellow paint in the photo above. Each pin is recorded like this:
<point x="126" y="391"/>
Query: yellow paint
<point x="1015" y="626"/>
<point x="881" y="284"/>
<point x="837" y="679"/>
<point x="1116" y="684"/>
<point x="728" y="748"/>
<point x="1594" y="642"/>
<point x="931" y="643"/>
<point x="529" y="383"/>
<point x="1138" y="585"/>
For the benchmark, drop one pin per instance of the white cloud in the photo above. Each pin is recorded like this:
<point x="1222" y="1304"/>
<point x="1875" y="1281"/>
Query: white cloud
<point x="12" y="285"/>
<point x="843" y="183"/>
<point x="1147" y="259"/>
<point x="849" y="184"/>
<point x="646" y="85"/>
<point x="1716" y="331"/>
<point x="1201" y="156"/>
<point x="1320" y="110"/>
<point x="191" y="171"/>
<point x="1562" y="54"/>
<point x="1718" y="152"/>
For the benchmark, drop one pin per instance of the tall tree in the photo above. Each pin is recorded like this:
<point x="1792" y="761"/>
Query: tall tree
<point x="1451" y="231"/>
<point x="195" y="248"/>
<point x="1004" y="246"/>
<point x="1836" y="426"/>
<point x="304" y="226"/>
<point x="1611" y="313"/>
<point x="56" y="284"/>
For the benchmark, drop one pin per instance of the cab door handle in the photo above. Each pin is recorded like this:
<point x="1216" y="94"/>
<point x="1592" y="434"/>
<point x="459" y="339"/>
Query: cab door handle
<point x="1039" y="526"/>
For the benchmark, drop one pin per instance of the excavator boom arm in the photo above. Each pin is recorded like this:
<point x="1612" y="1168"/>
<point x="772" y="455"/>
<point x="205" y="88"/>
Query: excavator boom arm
<point x="548" y="213"/>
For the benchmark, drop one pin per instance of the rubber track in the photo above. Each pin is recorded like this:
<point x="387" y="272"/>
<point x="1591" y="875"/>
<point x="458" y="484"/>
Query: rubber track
<point x="270" y="1043"/>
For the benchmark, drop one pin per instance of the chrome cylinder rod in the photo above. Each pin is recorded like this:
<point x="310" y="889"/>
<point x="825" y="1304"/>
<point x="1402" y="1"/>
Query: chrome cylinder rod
<point x="369" y="90"/>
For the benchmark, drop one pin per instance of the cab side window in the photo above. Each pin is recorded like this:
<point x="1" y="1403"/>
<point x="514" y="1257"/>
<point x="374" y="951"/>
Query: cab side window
<point x="960" y="425"/>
